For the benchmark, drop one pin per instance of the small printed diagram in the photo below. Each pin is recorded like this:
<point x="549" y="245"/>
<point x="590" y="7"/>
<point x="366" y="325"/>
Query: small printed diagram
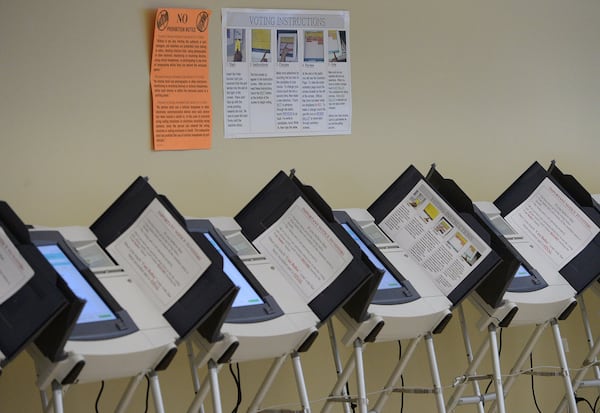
<point x="261" y="45"/>
<point x="442" y="227"/>
<point x="471" y="255"/>
<point x="336" y="45"/>
<point x="457" y="241"/>
<point x="314" y="48"/>
<point x="287" y="45"/>
<point x="416" y="199"/>
<point x="236" y="41"/>
<point x="429" y="213"/>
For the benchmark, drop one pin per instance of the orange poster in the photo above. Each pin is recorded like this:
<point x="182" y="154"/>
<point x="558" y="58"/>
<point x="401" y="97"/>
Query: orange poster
<point x="181" y="104"/>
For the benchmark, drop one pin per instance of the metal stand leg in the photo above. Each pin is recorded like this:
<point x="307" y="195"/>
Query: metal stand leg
<point x="569" y="393"/>
<point x="58" y="397"/>
<point x="156" y="393"/>
<point x="469" y="350"/>
<point x="456" y="398"/>
<point x="195" y="378"/>
<point x="524" y="356"/>
<point x="578" y="379"/>
<point x="266" y="384"/>
<point x="300" y="383"/>
<point x="435" y="374"/>
<point x="213" y="372"/>
<point x="496" y="367"/>
<point x="338" y="366"/>
<point x="395" y="376"/>
<point x="360" y="377"/>
<point x="196" y="405"/>
<point x="127" y="396"/>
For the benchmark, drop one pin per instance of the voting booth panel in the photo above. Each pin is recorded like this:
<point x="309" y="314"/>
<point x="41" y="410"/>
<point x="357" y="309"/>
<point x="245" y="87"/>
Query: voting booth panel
<point x="577" y="261"/>
<point x="36" y="305"/>
<point x="286" y="212"/>
<point x="290" y="252"/>
<point x="530" y="219"/>
<point x="148" y="284"/>
<point x="196" y="307"/>
<point x="570" y="185"/>
<point x="268" y="319"/>
<point x="451" y="245"/>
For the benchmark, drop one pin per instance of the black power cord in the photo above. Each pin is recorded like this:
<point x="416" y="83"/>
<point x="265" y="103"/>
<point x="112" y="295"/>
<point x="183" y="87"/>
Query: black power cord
<point x="238" y="384"/>
<point x="99" y="394"/>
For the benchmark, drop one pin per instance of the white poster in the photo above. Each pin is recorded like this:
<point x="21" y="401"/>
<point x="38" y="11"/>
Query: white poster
<point x="286" y="73"/>
<point x="304" y="249"/>
<point x="160" y="256"/>
<point x="435" y="236"/>
<point x="14" y="270"/>
<point x="550" y="220"/>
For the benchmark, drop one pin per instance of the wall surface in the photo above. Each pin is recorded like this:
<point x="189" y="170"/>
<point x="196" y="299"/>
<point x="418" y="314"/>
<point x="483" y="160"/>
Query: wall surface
<point x="481" y="88"/>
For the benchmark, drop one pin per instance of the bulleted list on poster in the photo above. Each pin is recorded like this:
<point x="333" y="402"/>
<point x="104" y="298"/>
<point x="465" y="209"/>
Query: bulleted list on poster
<point x="286" y="73"/>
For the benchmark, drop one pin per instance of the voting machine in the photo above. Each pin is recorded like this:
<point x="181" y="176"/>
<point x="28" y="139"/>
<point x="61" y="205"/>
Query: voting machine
<point x="288" y="225"/>
<point x="555" y="242"/>
<point x="589" y="205"/>
<point x="268" y="319"/>
<point x="148" y="284"/>
<point x="436" y="256"/>
<point x="37" y="308"/>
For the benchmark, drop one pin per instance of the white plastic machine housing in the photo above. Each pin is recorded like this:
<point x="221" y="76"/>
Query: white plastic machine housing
<point x="126" y="356"/>
<point x="536" y="306"/>
<point x="402" y="321"/>
<point x="265" y="339"/>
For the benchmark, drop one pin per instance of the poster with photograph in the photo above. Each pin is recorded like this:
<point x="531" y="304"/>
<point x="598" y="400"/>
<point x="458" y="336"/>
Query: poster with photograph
<point x="286" y="73"/>
<point x="435" y="236"/>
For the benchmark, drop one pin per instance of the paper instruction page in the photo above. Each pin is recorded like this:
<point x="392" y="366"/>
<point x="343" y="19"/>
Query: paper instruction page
<point x="14" y="270"/>
<point x="286" y="72"/>
<point x="554" y="223"/>
<point x="160" y="256"/>
<point x="435" y="237"/>
<point x="304" y="249"/>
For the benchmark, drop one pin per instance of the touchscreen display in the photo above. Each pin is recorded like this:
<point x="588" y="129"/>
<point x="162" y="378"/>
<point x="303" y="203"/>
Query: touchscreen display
<point x="522" y="272"/>
<point x="246" y="295"/>
<point x="388" y="281"/>
<point x="95" y="308"/>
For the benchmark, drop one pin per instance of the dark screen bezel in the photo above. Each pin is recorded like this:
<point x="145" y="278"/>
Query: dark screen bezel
<point x="389" y="296"/>
<point x="268" y="309"/>
<point x="96" y="330"/>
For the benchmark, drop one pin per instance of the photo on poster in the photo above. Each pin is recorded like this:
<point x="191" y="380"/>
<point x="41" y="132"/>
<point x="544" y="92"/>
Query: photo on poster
<point x="314" y="49"/>
<point x="287" y="45"/>
<point x="429" y="213"/>
<point x="236" y="40"/>
<point x="471" y="255"/>
<point x="336" y="46"/>
<point x="261" y="45"/>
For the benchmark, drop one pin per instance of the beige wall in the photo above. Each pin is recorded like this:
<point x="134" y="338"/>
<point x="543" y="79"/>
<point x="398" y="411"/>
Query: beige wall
<point x="481" y="88"/>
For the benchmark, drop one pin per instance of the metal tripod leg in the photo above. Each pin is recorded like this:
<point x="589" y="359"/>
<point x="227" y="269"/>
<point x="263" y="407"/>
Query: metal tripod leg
<point x="435" y="374"/>
<point x="360" y="377"/>
<point x="498" y="387"/>
<point x="266" y="384"/>
<point x="523" y="357"/>
<point x="343" y="375"/>
<point x="560" y="352"/>
<point x="469" y="350"/>
<point x="395" y="376"/>
<point x="212" y="383"/>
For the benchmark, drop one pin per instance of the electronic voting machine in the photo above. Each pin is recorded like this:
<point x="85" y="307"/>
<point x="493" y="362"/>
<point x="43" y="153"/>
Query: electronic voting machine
<point x="147" y="283"/>
<point x="589" y="204"/>
<point x="435" y="257"/>
<point x="550" y="239"/>
<point x="36" y="305"/>
<point x="294" y="266"/>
